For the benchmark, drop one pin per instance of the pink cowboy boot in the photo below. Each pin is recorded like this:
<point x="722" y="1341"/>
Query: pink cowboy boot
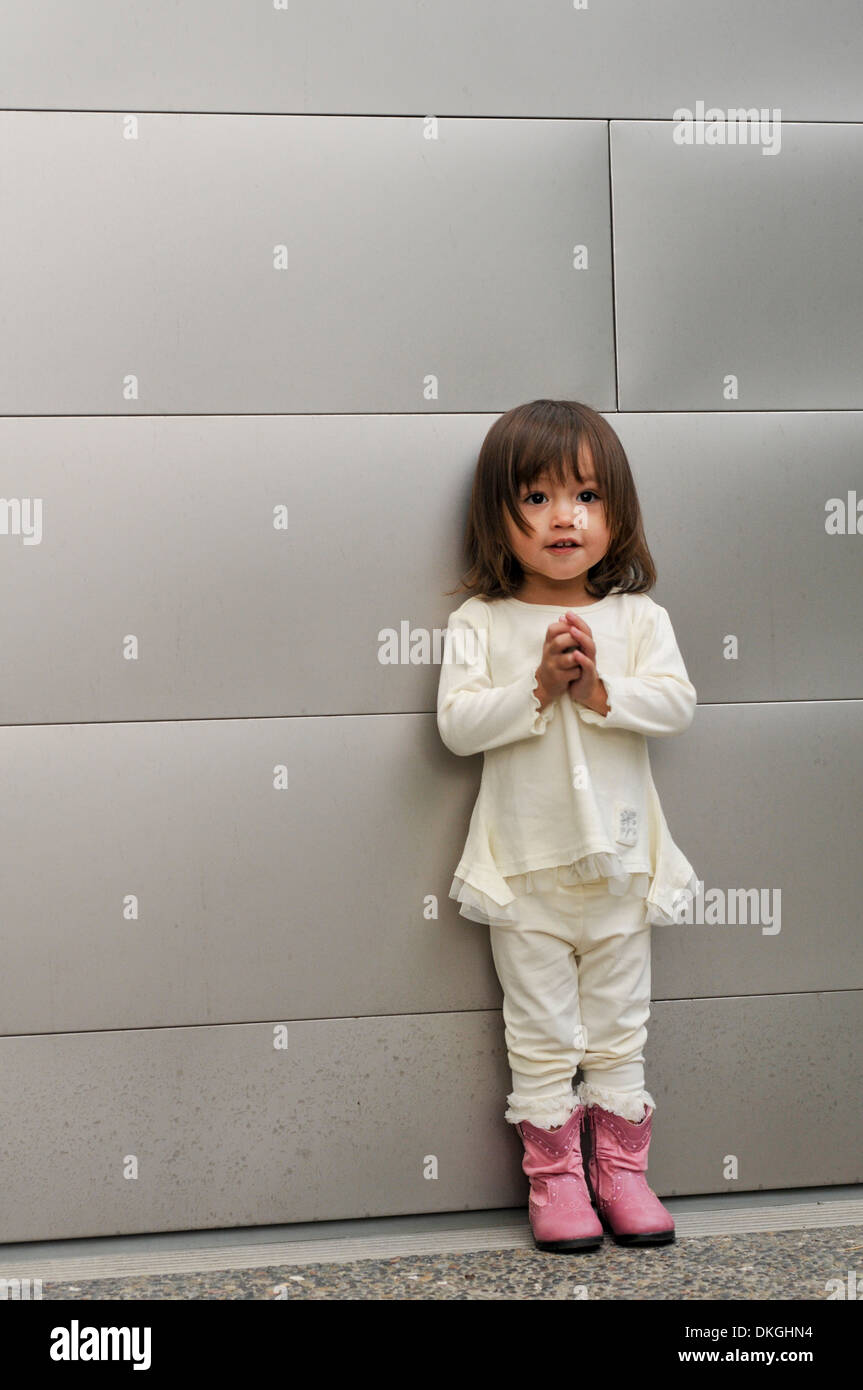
<point x="561" y="1216"/>
<point x="617" y="1165"/>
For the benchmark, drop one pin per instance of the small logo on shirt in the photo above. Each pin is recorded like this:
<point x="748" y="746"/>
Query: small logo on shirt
<point x="627" y="824"/>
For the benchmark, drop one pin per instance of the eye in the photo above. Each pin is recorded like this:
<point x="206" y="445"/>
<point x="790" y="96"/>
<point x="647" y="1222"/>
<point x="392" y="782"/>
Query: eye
<point x="585" y="492"/>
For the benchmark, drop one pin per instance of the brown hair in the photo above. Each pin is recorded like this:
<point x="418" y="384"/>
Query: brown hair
<point x="545" y="436"/>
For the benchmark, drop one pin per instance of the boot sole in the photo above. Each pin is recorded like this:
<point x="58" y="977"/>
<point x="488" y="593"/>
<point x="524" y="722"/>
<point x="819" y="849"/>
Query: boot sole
<point x="566" y="1247"/>
<point x="660" y="1237"/>
<point x="638" y="1237"/>
<point x="646" y="1238"/>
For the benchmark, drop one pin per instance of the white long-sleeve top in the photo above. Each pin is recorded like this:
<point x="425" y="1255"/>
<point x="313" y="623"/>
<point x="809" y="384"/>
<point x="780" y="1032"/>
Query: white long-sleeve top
<point x="567" y="795"/>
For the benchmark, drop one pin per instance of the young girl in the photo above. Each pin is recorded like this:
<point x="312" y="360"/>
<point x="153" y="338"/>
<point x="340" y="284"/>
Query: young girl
<point x="556" y="670"/>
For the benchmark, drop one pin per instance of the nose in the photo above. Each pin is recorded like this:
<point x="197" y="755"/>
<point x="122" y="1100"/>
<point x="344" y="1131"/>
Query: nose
<point x="567" y="515"/>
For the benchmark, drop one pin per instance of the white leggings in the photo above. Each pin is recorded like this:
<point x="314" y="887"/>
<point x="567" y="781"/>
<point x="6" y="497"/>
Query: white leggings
<point x="575" y="975"/>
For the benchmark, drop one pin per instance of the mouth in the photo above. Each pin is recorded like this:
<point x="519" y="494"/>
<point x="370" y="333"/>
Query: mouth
<point x="564" y="545"/>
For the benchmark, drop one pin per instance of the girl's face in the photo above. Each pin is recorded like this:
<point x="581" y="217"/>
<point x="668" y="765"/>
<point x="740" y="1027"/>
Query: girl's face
<point x="573" y="512"/>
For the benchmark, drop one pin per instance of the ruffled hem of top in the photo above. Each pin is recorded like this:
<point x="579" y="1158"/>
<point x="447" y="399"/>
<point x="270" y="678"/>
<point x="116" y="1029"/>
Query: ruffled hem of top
<point x="660" y="906"/>
<point x="480" y="907"/>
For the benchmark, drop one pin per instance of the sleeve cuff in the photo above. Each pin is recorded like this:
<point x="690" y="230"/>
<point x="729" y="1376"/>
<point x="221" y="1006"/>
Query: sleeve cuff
<point x="590" y="716"/>
<point x="542" y="717"/>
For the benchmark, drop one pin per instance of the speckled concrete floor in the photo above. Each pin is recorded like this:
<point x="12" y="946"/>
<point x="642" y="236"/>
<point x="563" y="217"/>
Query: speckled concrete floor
<point x="766" y="1265"/>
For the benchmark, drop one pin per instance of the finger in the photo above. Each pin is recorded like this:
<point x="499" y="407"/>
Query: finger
<point x="584" y="636"/>
<point x="585" y="666"/>
<point x="566" y="661"/>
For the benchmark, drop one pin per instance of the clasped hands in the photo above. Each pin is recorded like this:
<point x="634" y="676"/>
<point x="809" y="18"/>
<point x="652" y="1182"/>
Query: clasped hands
<point x="567" y="667"/>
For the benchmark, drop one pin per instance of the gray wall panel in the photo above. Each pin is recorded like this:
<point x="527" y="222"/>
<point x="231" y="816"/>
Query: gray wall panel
<point x="311" y="901"/>
<point x="164" y="529"/>
<point x="730" y="262"/>
<point x="765" y="799"/>
<point x="228" y="1131"/>
<point x="407" y="259"/>
<point x="737" y="509"/>
<point x="485" y="57"/>
<point x="252" y="902"/>
<point x="749" y="1077"/>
